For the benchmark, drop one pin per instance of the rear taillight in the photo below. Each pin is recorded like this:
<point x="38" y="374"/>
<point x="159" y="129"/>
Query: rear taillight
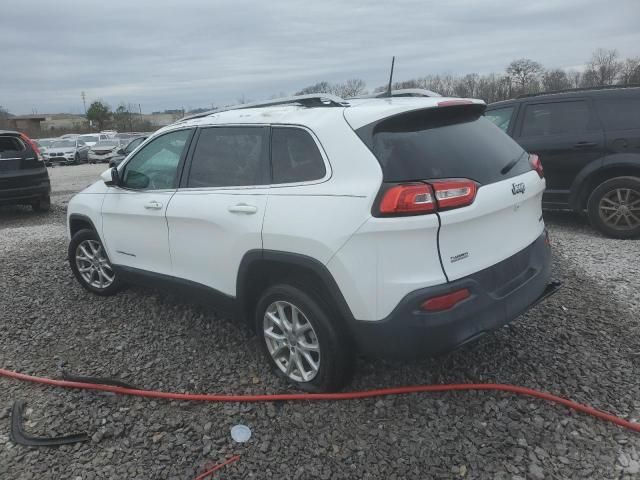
<point x="446" y="301"/>
<point x="421" y="198"/>
<point x="454" y="193"/>
<point x="410" y="198"/>
<point x="535" y="162"/>
<point x="33" y="145"/>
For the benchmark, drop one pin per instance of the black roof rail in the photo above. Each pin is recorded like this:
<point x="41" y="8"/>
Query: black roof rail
<point x="581" y="89"/>
<point x="402" y="92"/>
<point x="311" y="100"/>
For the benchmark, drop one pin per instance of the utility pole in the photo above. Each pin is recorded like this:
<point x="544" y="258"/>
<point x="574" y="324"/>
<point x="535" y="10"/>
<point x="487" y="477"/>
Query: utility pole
<point x="84" y="102"/>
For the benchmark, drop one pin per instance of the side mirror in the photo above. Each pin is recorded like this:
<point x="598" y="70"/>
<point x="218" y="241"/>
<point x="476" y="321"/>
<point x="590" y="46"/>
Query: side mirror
<point x="111" y="177"/>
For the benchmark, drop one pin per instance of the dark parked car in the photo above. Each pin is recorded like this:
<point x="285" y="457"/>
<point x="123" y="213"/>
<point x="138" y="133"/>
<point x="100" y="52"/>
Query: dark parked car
<point x="23" y="175"/>
<point x="589" y="143"/>
<point x="123" y="152"/>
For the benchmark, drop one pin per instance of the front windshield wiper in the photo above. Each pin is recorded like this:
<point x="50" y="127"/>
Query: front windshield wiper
<point x="511" y="164"/>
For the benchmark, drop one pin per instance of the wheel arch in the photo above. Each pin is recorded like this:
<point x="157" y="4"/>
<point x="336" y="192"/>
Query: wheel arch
<point x="261" y="268"/>
<point x="78" y="222"/>
<point x="617" y="165"/>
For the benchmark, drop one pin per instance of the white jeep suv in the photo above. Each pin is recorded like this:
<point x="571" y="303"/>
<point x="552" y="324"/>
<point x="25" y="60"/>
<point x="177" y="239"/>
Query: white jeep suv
<point x="383" y="226"/>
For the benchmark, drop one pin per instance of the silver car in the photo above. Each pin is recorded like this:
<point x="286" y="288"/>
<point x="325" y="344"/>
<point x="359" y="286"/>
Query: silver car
<point x="67" y="151"/>
<point x="104" y="150"/>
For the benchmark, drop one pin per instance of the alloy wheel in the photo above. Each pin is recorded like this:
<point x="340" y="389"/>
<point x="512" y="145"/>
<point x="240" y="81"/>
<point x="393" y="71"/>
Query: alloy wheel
<point x="291" y="341"/>
<point x="93" y="265"/>
<point x="620" y="208"/>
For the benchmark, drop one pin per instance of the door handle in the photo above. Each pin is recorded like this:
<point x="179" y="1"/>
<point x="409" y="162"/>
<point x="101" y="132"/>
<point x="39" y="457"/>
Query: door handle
<point x="243" y="208"/>
<point x="153" y="205"/>
<point x="584" y="145"/>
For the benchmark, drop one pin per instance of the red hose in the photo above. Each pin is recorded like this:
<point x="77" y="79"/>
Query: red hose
<point x="204" y="397"/>
<point x="233" y="459"/>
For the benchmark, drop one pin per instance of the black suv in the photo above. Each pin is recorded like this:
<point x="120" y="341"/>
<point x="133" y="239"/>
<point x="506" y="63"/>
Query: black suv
<point x="589" y="145"/>
<point x="23" y="175"/>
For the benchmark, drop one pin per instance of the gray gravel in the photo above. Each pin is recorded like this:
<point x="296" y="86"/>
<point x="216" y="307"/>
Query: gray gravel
<point x="577" y="344"/>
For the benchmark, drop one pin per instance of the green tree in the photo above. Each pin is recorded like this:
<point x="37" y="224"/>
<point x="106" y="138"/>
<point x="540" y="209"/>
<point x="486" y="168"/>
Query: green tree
<point x="99" y="112"/>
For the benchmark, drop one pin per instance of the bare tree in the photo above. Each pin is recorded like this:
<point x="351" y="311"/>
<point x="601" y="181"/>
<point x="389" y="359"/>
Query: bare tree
<point x="320" y="87"/>
<point x="524" y="73"/>
<point x="351" y="88"/>
<point x="604" y="67"/>
<point x="555" y="79"/>
<point x="630" y="71"/>
<point x="4" y="117"/>
<point x="575" y="78"/>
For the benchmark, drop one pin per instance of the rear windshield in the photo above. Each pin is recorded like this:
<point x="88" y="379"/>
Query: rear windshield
<point x="451" y="142"/>
<point x="11" y="144"/>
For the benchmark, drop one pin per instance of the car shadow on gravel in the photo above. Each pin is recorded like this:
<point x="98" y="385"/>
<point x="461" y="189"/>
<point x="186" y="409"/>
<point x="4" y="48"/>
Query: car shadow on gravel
<point x="575" y="344"/>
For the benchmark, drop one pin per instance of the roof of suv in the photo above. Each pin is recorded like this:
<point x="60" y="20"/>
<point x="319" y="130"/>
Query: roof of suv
<point x="606" y="91"/>
<point x="358" y="112"/>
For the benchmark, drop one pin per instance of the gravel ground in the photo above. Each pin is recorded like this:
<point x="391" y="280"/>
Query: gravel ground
<point x="580" y="344"/>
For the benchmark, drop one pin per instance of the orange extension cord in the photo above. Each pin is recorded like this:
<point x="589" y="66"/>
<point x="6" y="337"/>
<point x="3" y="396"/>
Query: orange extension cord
<point x="203" y="397"/>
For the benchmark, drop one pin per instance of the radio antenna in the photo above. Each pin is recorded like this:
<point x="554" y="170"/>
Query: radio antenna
<point x="393" y="61"/>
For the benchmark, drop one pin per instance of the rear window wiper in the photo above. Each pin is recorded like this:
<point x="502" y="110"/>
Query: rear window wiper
<point x="511" y="164"/>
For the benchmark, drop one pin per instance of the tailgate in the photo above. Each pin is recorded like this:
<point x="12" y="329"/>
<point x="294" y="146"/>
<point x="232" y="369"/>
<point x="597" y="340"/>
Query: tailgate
<point x="456" y="144"/>
<point x="505" y="218"/>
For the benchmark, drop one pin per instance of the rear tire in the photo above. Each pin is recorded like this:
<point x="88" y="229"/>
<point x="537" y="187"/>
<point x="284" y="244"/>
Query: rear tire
<point x="614" y="207"/>
<point x="42" y="205"/>
<point x="317" y="338"/>
<point x="87" y="253"/>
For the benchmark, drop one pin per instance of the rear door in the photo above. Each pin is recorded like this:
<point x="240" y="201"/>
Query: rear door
<point x="457" y="142"/>
<point x="566" y="135"/>
<point x="216" y="216"/>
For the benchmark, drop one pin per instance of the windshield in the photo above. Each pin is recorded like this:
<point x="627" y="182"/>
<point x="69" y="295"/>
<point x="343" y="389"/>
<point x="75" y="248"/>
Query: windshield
<point x="63" y="144"/>
<point x="106" y="143"/>
<point x="89" y="139"/>
<point x="45" y="143"/>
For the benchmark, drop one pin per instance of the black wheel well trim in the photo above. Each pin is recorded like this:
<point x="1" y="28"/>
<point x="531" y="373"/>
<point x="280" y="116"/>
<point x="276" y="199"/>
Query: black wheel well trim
<point x="294" y="259"/>
<point x="579" y="187"/>
<point x="81" y="218"/>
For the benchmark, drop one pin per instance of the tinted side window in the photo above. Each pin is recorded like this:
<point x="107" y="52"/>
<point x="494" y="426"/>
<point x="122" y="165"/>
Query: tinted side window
<point x="619" y="113"/>
<point x="557" y="118"/>
<point x="295" y="156"/>
<point x="230" y="157"/>
<point x="11" y="144"/>
<point x="155" y="167"/>
<point x="501" y="117"/>
<point x="133" y="145"/>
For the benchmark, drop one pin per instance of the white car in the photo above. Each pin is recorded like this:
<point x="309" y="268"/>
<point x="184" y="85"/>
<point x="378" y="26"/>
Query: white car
<point x="388" y="226"/>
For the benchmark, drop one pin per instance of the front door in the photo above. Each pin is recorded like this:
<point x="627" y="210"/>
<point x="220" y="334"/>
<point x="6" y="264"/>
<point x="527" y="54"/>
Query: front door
<point x="134" y="224"/>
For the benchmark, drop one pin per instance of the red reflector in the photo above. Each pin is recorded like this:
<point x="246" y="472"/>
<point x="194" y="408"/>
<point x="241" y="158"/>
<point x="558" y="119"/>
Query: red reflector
<point x="445" y="302"/>
<point x="455" y="192"/>
<point x="409" y="198"/>
<point x="449" y="103"/>
<point x="535" y="162"/>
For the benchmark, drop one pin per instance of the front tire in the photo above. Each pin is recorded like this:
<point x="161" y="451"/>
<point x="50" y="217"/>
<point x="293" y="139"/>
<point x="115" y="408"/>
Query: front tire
<point x="614" y="207"/>
<point x="90" y="264"/>
<point x="303" y="340"/>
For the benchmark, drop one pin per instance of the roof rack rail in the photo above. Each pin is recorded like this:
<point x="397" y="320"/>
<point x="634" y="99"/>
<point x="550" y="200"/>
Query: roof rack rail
<point x="311" y="100"/>
<point x="581" y="89"/>
<point x="402" y="92"/>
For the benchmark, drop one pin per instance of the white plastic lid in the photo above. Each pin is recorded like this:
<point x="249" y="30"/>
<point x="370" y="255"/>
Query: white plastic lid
<point x="240" y="433"/>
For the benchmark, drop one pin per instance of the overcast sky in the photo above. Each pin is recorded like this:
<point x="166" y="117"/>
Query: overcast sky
<point x="197" y="53"/>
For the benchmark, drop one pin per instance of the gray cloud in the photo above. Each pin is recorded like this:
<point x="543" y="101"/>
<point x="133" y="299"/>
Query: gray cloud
<point x="168" y="54"/>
